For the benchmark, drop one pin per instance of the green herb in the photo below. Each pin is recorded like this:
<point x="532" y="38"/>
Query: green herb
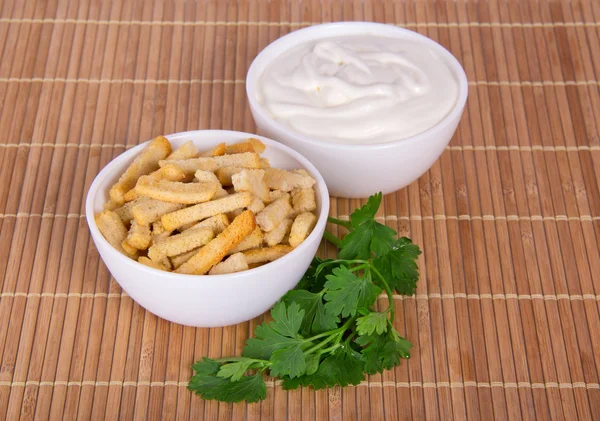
<point x="325" y="332"/>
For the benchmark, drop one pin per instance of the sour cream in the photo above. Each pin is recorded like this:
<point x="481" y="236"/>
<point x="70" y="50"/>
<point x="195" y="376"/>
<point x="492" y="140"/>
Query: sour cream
<point x="359" y="89"/>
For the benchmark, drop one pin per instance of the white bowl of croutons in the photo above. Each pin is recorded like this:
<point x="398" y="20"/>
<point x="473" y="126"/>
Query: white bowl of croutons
<point x="208" y="228"/>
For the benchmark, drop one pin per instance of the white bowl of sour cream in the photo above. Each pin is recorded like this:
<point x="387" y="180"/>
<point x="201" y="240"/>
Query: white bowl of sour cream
<point x="372" y="106"/>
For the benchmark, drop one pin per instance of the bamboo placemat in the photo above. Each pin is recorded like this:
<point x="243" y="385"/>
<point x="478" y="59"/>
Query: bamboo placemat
<point x="505" y="322"/>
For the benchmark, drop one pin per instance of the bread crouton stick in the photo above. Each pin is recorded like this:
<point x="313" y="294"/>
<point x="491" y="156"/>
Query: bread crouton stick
<point x="146" y="162"/>
<point x="186" y="151"/>
<point x="180" y="243"/>
<point x="190" y="166"/>
<point x="234" y="263"/>
<point x="266" y="254"/>
<point x="176" y="192"/>
<point x="176" y="219"/>
<point x="217" y="249"/>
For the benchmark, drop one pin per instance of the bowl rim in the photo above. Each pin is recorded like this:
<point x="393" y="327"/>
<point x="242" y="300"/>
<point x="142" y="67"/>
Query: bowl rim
<point x="337" y="28"/>
<point x="108" y="171"/>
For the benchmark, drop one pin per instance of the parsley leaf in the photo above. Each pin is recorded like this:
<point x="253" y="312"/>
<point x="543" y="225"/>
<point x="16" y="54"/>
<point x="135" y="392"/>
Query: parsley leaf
<point x="367" y="211"/>
<point x="316" y="319"/>
<point x="281" y="333"/>
<point x="287" y="320"/>
<point x="383" y="238"/>
<point x="248" y="388"/>
<point x="356" y="244"/>
<point x="367" y="239"/>
<point x="206" y="367"/>
<point x="235" y="370"/>
<point x="399" y="266"/>
<point x="371" y="323"/>
<point x="312" y="280"/>
<point x="206" y="383"/>
<point x="312" y="363"/>
<point x="383" y="351"/>
<point x="288" y="361"/>
<point x="342" y="368"/>
<point x="308" y="280"/>
<point x="209" y="385"/>
<point x="347" y="292"/>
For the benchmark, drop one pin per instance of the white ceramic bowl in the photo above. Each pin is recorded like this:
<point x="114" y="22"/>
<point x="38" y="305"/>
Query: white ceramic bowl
<point x="208" y="300"/>
<point x="359" y="170"/>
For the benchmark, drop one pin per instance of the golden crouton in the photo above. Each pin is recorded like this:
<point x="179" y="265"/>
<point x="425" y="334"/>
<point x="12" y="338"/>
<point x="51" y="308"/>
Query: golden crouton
<point x="234" y="263"/>
<point x="146" y="162"/>
<point x="256" y="206"/>
<point x="151" y="210"/>
<point x="256" y="265"/>
<point x="180" y="243"/>
<point x="245" y="160"/>
<point x="287" y="181"/>
<point x="215" y="151"/>
<point x="180" y="259"/>
<point x="111" y="205"/>
<point x="221" y="193"/>
<point x="154" y="265"/>
<point x="276" y="235"/>
<point x="266" y="254"/>
<point x="124" y="211"/>
<point x="301" y="228"/>
<point x="224" y="174"/>
<point x="169" y="172"/>
<point x="139" y="236"/>
<point x="234" y="214"/>
<point x="213" y="252"/>
<point x="258" y="146"/>
<point x="129" y="249"/>
<point x="265" y="163"/>
<point x="112" y="228"/>
<point x="159" y="232"/>
<point x="301" y="171"/>
<point x="254" y="240"/>
<point x="274" y="195"/>
<point x="190" y="166"/>
<point x="239" y="148"/>
<point x="250" y="145"/>
<point x="210" y="177"/>
<point x="272" y="215"/>
<point x="252" y="181"/>
<point x="216" y="223"/>
<point x="166" y="262"/>
<point x="177" y="192"/>
<point x="201" y="211"/>
<point x="186" y="151"/>
<point x="303" y="200"/>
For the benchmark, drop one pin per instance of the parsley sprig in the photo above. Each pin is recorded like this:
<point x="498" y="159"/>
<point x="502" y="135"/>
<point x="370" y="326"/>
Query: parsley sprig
<point x="326" y="332"/>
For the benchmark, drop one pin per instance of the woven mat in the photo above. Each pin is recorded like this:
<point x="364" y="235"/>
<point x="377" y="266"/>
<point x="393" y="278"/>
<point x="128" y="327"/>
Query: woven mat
<point x="505" y="323"/>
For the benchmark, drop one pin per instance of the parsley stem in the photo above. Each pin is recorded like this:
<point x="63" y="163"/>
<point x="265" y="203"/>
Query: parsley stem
<point x="328" y="333"/>
<point x="345" y="224"/>
<point x="323" y="342"/>
<point x="359" y="267"/>
<point x="342" y="328"/>
<point x="334" y="334"/>
<point x="388" y="291"/>
<point x="333" y="262"/>
<point x="235" y="359"/>
<point x="330" y="349"/>
<point x="351" y="336"/>
<point x="332" y="238"/>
